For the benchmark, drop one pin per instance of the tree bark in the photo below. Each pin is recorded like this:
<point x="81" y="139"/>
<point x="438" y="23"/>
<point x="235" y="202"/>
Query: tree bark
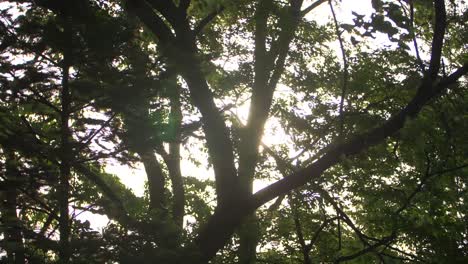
<point x="13" y="239"/>
<point x="173" y="163"/>
<point x="218" y="140"/>
<point x="268" y="68"/>
<point x="65" y="147"/>
<point x="183" y="55"/>
<point x="141" y="140"/>
<point x="155" y="177"/>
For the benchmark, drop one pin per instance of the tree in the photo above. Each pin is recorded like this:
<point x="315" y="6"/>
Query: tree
<point x="377" y="174"/>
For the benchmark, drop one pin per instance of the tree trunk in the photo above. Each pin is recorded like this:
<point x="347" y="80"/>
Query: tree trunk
<point x="139" y="138"/>
<point x="249" y="232"/>
<point x="173" y="163"/>
<point x="220" y="146"/>
<point x="65" y="148"/>
<point x="248" y="240"/>
<point x="155" y="177"/>
<point x="221" y="226"/>
<point x="13" y="236"/>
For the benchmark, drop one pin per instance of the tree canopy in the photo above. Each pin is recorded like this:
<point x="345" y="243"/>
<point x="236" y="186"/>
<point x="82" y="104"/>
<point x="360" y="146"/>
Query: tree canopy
<point x="352" y="123"/>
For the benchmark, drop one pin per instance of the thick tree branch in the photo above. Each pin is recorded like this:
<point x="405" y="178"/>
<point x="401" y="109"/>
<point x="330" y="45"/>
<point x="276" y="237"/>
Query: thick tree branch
<point x="276" y="204"/>
<point x="168" y="9"/>
<point x="172" y="159"/>
<point x="145" y="13"/>
<point x="205" y="21"/>
<point x="312" y="7"/>
<point x="279" y="49"/>
<point x="183" y="56"/>
<point x="184" y="5"/>
<point x="438" y="39"/>
<point x="358" y="143"/>
<point x="155" y="175"/>
<point x="218" y="140"/>
<point x="267" y="74"/>
<point x="439" y="28"/>
<point x="247" y="148"/>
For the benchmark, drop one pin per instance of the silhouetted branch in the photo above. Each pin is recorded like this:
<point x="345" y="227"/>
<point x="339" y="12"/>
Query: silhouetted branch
<point x="145" y="12"/>
<point x="184" y="5"/>
<point x="370" y="248"/>
<point x="85" y="141"/>
<point x="358" y="143"/>
<point x="312" y="7"/>
<point x="315" y="237"/>
<point x="205" y="21"/>
<point x="415" y="42"/>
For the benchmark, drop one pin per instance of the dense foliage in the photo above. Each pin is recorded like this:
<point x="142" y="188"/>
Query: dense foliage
<point x="352" y="122"/>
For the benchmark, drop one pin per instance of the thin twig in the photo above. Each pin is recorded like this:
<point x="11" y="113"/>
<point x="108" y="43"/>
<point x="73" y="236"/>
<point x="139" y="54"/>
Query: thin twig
<point x="345" y="70"/>
<point x="85" y="141"/>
